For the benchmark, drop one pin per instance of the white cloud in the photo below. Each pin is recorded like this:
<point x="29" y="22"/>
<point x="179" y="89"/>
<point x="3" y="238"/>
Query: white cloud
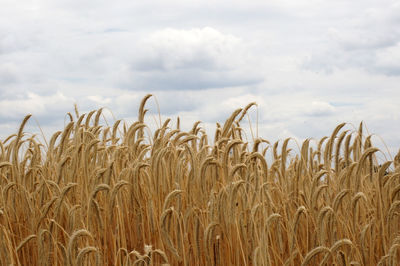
<point x="320" y="108"/>
<point x="202" y="48"/>
<point x="99" y="100"/>
<point x="368" y="40"/>
<point x="8" y="73"/>
<point x="198" y="58"/>
<point x="35" y="104"/>
<point x="388" y="60"/>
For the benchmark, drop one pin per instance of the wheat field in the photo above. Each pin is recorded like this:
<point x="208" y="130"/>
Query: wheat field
<point x="113" y="195"/>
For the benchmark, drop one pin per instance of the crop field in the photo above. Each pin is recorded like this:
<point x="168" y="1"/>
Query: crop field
<point x="113" y="195"/>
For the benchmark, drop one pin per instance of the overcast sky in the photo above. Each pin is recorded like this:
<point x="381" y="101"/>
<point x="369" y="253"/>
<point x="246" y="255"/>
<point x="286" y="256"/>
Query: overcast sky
<point x="309" y="64"/>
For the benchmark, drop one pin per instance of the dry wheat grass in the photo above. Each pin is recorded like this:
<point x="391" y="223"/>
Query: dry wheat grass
<point x="110" y="195"/>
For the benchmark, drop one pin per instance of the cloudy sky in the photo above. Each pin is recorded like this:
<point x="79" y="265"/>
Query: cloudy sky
<point x="309" y="64"/>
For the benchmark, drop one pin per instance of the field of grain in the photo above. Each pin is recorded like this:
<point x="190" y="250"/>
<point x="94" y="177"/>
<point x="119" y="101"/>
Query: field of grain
<point x="98" y="195"/>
